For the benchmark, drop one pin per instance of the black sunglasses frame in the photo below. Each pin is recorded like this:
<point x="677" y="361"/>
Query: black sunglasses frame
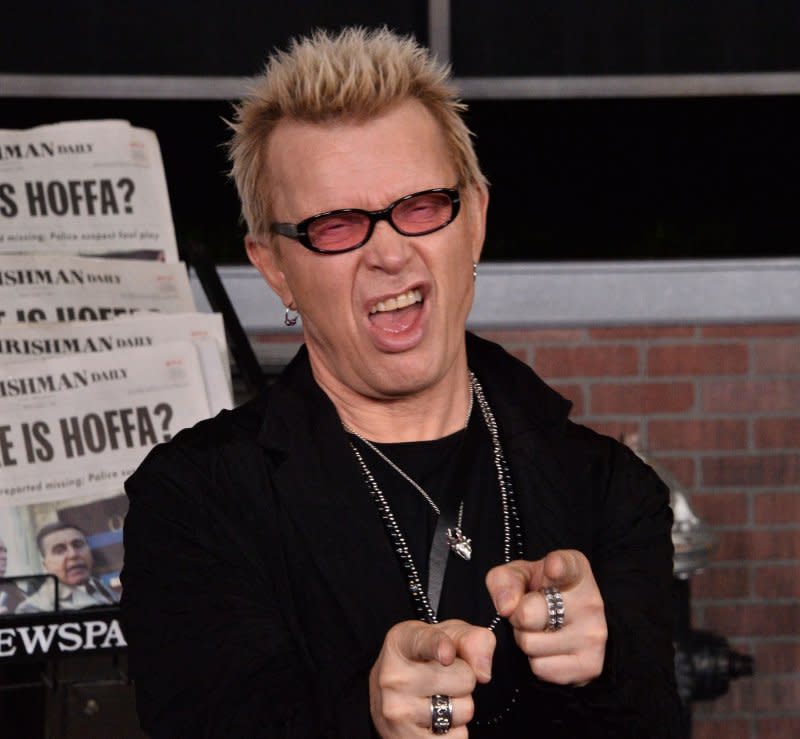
<point x="299" y="231"/>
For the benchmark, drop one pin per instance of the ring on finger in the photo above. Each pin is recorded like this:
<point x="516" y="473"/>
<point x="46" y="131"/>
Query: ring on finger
<point x="555" y="608"/>
<point x="441" y="714"/>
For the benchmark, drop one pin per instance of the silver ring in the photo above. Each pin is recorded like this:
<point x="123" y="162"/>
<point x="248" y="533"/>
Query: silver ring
<point x="441" y="714"/>
<point x="555" y="608"/>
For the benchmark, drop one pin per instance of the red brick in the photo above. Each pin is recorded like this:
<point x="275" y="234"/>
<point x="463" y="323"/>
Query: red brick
<point x="573" y="393"/>
<point x="777" y="507"/>
<point x="722" y="433"/>
<point x="754" y="619"/>
<point x="778" y="357"/>
<point x="751" y="395"/>
<point x="777" y="657"/>
<point x="697" y="359"/>
<point x="748" y="330"/>
<point x="777" y="433"/>
<point x="775" y="694"/>
<point x="720" y="728"/>
<point x="587" y="361"/>
<point x="641" y="398"/>
<point x="642" y="332"/>
<point x="720" y="508"/>
<point x="683" y="469"/>
<point x="778" y="581"/>
<point x="760" y="470"/>
<point x="534" y="335"/>
<point x="778" y="727"/>
<point x="755" y="545"/>
<point x="615" y="429"/>
<point x="739" y="699"/>
<point x="732" y="546"/>
<point x="721" y="582"/>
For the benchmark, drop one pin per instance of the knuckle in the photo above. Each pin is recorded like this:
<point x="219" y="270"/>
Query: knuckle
<point x="524" y="639"/>
<point x="464" y="680"/>
<point x="528" y="609"/>
<point x="596" y="636"/>
<point x="395" y="709"/>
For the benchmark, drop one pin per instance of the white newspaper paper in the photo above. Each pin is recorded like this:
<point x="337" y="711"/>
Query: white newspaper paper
<point x="38" y="287"/>
<point x="79" y="425"/>
<point x="85" y="187"/>
<point x="20" y="341"/>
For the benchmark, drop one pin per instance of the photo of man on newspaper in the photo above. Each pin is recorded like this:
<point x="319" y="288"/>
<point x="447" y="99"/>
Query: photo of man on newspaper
<point x="66" y="554"/>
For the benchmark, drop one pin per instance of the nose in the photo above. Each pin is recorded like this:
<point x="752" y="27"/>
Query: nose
<point x="387" y="249"/>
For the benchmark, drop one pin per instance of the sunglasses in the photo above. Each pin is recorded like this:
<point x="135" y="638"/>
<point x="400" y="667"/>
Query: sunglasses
<point x="339" y="231"/>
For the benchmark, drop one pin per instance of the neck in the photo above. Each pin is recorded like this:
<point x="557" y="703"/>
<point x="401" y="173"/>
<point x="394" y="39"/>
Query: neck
<point x="427" y="414"/>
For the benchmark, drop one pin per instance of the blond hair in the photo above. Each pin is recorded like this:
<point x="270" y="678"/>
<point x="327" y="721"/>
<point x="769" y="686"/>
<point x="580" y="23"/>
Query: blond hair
<point x="355" y="73"/>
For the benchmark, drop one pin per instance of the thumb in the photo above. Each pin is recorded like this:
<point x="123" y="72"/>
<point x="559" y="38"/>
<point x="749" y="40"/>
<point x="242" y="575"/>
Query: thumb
<point x="421" y="642"/>
<point x="563" y="568"/>
<point x="474" y="644"/>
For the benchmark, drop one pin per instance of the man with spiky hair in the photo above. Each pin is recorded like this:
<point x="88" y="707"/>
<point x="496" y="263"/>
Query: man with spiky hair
<point x="405" y="535"/>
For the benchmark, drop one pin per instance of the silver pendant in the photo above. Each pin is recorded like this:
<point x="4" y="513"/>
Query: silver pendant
<point x="459" y="543"/>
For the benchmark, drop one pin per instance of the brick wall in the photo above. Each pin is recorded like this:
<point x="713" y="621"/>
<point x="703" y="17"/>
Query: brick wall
<point x="719" y="407"/>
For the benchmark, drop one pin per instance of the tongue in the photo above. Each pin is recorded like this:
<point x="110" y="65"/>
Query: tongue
<point x="395" y="321"/>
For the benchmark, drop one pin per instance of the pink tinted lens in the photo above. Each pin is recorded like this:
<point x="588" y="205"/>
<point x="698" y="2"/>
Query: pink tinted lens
<point x="423" y="212"/>
<point x="338" y="231"/>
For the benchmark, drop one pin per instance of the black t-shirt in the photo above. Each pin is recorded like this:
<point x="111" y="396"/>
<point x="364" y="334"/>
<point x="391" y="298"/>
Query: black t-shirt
<point x="433" y="465"/>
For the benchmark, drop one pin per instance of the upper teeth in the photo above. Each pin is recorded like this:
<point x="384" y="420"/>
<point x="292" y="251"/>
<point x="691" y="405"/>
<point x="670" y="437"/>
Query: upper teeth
<point x="401" y="301"/>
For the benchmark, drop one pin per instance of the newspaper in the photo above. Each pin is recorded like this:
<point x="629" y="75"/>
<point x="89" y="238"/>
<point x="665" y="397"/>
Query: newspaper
<point x="79" y="424"/>
<point x="85" y="187"/>
<point x="38" y="287"/>
<point x="20" y="341"/>
<point x="72" y="429"/>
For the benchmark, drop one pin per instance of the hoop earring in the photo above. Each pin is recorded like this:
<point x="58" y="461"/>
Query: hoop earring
<point x="474" y="271"/>
<point x="290" y="320"/>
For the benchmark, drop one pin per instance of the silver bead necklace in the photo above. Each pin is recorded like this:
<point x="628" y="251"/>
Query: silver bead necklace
<point x="508" y="506"/>
<point x="457" y="541"/>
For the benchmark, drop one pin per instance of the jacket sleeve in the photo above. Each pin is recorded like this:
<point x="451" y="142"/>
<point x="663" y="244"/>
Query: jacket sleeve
<point x="209" y="650"/>
<point x="632" y="560"/>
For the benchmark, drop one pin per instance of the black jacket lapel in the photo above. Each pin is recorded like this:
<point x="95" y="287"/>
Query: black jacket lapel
<point x="329" y="525"/>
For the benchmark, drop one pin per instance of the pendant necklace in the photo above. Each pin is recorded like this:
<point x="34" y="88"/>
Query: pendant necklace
<point x="512" y="530"/>
<point x="456" y="539"/>
<point x="513" y="547"/>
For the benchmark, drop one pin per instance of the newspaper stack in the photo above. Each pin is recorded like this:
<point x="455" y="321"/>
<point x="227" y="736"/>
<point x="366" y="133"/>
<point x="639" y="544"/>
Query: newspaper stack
<point x="102" y="355"/>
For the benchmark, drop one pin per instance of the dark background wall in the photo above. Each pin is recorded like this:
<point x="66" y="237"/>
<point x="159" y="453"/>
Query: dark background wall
<point x="668" y="177"/>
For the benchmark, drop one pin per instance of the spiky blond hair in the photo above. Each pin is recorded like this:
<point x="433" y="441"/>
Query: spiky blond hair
<point x="356" y="73"/>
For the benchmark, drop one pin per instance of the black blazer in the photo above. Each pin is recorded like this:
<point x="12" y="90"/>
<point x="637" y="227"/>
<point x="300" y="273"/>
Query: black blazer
<point x="259" y="583"/>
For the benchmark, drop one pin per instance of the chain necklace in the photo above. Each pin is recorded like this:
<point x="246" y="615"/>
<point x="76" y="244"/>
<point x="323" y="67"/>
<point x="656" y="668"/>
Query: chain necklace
<point x="456" y="540"/>
<point x="512" y="531"/>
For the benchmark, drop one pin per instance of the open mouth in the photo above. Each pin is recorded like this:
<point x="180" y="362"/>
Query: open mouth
<point x="397" y="322"/>
<point x="404" y="300"/>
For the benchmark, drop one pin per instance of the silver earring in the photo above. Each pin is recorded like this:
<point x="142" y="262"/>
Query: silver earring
<point x="474" y="271"/>
<point x="290" y="320"/>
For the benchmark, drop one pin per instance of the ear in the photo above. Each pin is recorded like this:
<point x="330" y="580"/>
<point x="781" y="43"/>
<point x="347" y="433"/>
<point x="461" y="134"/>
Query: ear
<point x="265" y="258"/>
<point x="478" y="204"/>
